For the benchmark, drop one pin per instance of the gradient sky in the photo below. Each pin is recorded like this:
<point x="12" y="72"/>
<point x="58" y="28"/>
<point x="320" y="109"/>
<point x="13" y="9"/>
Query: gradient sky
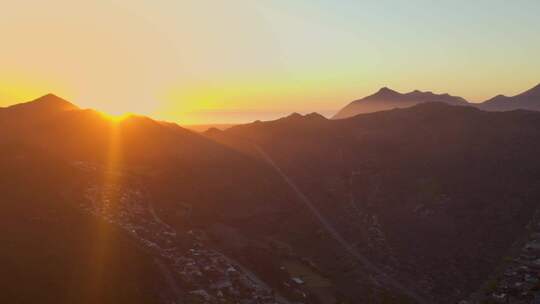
<point x="205" y="61"/>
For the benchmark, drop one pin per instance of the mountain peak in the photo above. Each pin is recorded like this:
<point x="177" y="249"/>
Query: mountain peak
<point x="213" y="131"/>
<point x="384" y="93"/>
<point x="310" y="116"/>
<point x="385" y="90"/>
<point x="314" y="116"/>
<point x="42" y="106"/>
<point x="295" y="115"/>
<point x="50" y="95"/>
<point x="51" y="101"/>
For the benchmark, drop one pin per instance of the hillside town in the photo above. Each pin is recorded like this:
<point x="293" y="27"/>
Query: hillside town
<point x="203" y="275"/>
<point x="518" y="282"/>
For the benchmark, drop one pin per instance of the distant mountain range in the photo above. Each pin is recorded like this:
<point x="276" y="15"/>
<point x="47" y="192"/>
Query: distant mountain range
<point x="528" y="100"/>
<point x="387" y="99"/>
<point x="206" y="127"/>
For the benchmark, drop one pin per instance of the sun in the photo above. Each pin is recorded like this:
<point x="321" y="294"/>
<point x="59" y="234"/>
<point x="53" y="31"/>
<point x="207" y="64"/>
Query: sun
<point x="116" y="117"/>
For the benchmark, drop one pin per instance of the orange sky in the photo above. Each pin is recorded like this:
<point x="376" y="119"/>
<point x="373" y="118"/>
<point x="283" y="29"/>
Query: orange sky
<point x="235" y="61"/>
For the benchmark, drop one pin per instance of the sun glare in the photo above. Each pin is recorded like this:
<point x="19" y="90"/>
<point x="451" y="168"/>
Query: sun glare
<point x="116" y="117"/>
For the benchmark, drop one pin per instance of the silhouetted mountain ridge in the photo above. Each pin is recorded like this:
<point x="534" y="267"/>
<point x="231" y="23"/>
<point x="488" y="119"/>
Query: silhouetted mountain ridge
<point x="297" y="116"/>
<point x="56" y="126"/>
<point x="528" y="100"/>
<point x="386" y="99"/>
<point x="535" y="91"/>
<point x="46" y="102"/>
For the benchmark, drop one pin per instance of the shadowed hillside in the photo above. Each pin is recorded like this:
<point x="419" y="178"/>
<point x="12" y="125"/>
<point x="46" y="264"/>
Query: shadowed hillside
<point x="54" y="253"/>
<point x="56" y="156"/>
<point x="200" y="169"/>
<point x="436" y="194"/>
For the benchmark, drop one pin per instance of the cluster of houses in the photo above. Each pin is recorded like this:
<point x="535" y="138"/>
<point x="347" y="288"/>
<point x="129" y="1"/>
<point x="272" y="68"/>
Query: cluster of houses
<point x="519" y="281"/>
<point x="211" y="275"/>
<point x="205" y="275"/>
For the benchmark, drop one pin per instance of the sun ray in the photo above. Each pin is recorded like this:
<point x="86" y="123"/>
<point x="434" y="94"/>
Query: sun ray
<point x="109" y="197"/>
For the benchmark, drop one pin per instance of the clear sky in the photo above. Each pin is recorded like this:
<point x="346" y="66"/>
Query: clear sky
<point x="202" y="61"/>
